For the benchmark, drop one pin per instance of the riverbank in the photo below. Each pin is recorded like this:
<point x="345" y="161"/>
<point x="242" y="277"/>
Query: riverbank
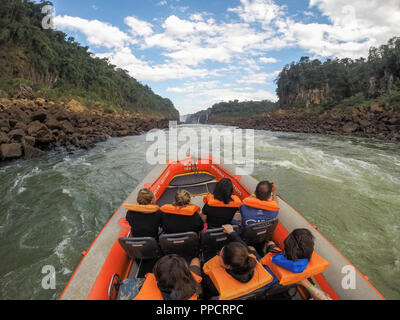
<point x="371" y="122"/>
<point x="29" y="128"/>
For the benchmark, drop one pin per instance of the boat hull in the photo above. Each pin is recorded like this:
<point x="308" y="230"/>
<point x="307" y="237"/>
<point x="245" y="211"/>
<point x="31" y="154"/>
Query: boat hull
<point x="106" y="257"/>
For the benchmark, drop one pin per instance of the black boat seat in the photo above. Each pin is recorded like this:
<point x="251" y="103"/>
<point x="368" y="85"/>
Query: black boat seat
<point x="141" y="248"/>
<point x="212" y="241"/>
<point x="275" y="292"/>
<point x="260" y="232"/>
<point x="186" y="245"/>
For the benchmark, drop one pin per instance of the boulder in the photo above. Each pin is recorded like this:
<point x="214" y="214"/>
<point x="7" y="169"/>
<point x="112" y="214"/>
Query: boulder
<point x="67" y="127"/>
<point x="40" y="102"/>
<point x="31" y="152"/>
<point x="350" y="127"/>
<point x="10" y="151"/>
<point x="4" y="138"/>
<point x="39" y="115"/>
<point x="16" y="134"/>
<point x="75" y="106"/>
<point x="54" y="124"/>
<point x="20" y="125"/>
<point x="25" y="92"/>
<point x="40" y="131"/>
<point x="29" y="140"/>
<point x="4" y="123"/>
<point x="376" y="108"/>
<point x="364" y="123"/>
<point x="18" y="114"/>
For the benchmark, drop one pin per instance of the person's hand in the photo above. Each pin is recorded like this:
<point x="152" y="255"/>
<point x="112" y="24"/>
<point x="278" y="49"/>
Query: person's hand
<point x="270" y="243"/>
<point x="273" y="188"/>
<point x="228" y="229"/>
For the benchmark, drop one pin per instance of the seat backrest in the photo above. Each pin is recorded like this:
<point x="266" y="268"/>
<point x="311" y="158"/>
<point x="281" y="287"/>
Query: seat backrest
<point x="186" y="245"/>
<point x="260" y="232"/>
<point x="255" y="295"/>
<point x="141" y="248"/>
<point x="212" y="241"/>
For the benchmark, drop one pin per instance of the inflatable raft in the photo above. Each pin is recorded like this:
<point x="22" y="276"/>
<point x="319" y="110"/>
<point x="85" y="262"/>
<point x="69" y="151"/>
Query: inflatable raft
<point x="106" y="261"/>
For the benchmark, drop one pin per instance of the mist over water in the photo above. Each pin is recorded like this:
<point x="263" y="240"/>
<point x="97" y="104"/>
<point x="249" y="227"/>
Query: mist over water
<point x="53" y="207"/>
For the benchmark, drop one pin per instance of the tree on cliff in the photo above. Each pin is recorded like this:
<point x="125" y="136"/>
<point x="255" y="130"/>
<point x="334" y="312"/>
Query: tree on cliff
<point x="57" y="66"/>
<point x="338" y="79"/>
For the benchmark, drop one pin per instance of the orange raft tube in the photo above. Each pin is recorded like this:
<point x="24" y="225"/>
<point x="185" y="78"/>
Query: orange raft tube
<point x="105" y="257"/>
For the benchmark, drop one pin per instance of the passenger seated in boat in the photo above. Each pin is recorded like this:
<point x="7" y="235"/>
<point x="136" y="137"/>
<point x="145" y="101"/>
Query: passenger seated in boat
<point x="260" y="207"/>
<point x="145" y="216"/>
<point x="221" y="206"/>
<point x="297" y="261"/>
<point x="172" y="279"/>
<point x="235" y="271"/>
<point x="181" y="216"/>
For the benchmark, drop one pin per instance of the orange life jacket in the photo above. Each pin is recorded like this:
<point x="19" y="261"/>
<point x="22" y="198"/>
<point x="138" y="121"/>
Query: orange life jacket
<point x="148" y="208"/>
<point x="228" y="287"/>
<point x="268" y="205"/>
<point x="150" y="291"/>
<point x="315" y="266"/>
<point x="212" y="202"/>
<point x="184" y="211"/>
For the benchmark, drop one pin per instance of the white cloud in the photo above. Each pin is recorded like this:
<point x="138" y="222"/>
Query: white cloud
<point x="268" y="60"/>
<point x="142" y="70"/>
<point x="262" y="11"/>
<point x="139" y="27"/>
<point x="97" y="33"/>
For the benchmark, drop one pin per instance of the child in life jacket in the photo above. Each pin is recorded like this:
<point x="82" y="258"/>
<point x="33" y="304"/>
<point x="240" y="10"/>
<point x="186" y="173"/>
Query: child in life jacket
<point x="300" y="259"/>
<point x="221" y="206"/>
<point x="181" y="216"/>
<point x="144" y="217"/>
<point x="261" y="207"/>
<point x="235" y="271"/>
<point x="172" y="279"/>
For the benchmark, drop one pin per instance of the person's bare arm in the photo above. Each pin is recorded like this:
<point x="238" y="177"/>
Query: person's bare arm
<point x="316" y="293"/>
<point x="274" y="194"/>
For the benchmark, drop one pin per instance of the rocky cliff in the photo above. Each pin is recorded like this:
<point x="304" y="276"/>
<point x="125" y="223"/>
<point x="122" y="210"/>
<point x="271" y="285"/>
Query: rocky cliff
<point x="28" y="128"/>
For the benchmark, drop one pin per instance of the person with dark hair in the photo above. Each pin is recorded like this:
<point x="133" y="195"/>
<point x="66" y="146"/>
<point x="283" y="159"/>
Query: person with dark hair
<point x="260" y="207"/>
<point x="235" y="271"/>
<point x="144" y="217"/>
<point x="221" y="206"/>
<point x="295" y="257"/>
<point x="172" y="279"/>
<point x="182" y="216"/>
<point x="297" y="252"/>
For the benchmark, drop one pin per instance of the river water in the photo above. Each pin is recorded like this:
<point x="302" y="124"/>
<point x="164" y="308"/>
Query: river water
<point x="52" y="208"/>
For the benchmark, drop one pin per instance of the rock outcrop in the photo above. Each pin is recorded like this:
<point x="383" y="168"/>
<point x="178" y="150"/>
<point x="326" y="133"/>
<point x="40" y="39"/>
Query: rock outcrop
<point x="373" y="122"/>
<point x="29" y="128"/>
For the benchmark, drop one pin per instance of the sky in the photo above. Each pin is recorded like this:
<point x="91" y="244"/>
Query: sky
<point x="200" y="52"/>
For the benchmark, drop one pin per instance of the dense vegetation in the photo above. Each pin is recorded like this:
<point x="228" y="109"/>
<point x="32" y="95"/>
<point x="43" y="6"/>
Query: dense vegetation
<point x="338" y="81"/>
<point x="233" y="110"/>
<point x="59" y="68"/>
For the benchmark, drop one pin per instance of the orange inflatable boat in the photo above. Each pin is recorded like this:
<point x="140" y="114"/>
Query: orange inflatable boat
<point x="107" y="261"/>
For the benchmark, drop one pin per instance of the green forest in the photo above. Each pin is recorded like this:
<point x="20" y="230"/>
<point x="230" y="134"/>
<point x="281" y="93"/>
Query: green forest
<point x="58" y="68"/>
<point x="232" y="110"/>
<point x="235" y="109"/>
<point x="343" y="82"/>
